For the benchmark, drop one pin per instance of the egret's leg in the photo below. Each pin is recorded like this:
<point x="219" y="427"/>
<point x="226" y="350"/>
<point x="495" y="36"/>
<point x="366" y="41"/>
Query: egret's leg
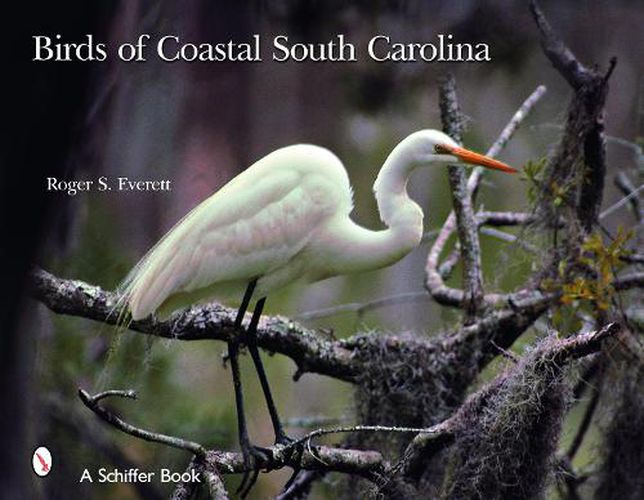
<point x="251" y="342"/>
<point x="244" y="305"/>
<point x="249" y="451"/>
<point x="233" y="355"/>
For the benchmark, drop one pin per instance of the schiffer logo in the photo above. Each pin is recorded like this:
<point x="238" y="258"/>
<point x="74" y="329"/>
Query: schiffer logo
<point x="41" y="461"/>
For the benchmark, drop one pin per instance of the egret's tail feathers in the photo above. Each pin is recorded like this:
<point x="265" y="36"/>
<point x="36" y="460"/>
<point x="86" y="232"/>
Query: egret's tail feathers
<point x="121" y="308"/>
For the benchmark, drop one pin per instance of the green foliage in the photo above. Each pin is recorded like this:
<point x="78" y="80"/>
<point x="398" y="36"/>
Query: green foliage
<point x="587" y="281"/>
<point x="601" y="261"/>
<point x="559" y="192"/>
<point x="532" y="173"/>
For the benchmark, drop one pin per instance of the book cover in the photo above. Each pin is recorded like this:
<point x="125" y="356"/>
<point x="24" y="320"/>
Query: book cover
<point x="323" y="250"/>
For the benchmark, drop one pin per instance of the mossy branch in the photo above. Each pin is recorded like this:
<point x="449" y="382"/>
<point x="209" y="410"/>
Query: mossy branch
<point x="362" y="463"/>
<point x="309" y="351"/>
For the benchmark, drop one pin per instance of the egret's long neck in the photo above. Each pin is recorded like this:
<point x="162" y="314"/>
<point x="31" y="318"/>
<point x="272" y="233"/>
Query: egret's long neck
<point x="397" y="210"/>
<point x="365" y="249"/>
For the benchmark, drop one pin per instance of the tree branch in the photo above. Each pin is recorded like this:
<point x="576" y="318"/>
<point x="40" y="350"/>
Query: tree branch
<point x="310" y="352"/>
<point x="186" y="490"/>
<point x="462" y="203"/>
<point x="500" y="219"/>
<point x="92" y="403"/>
<point x="433" y="280"/>
<point x="628" y="189"/>
<point x="628" y="281"/>
<point x="631" y="197"/>
<point x="507" y="133"/>
<point x="559" y="54"/>
<point x="362" y="307"/>
<point x="86" y="430"/>
<point x="360" y="428"/>
<point x="510" y="238"/>
<point x="580" y="185"/>
<point x="362" y="463"/>
<point x="424" y="446"/>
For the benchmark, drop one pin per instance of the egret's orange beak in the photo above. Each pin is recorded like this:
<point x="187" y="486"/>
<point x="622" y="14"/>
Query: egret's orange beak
<point x="467" y="156"/>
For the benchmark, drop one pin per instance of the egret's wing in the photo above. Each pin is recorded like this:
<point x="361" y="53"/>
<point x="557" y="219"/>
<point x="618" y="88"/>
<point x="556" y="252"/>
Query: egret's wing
<point x="254" y="224"/>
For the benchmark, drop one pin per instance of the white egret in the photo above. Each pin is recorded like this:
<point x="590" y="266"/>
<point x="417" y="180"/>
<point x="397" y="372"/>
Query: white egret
<point x="285" y="219"/>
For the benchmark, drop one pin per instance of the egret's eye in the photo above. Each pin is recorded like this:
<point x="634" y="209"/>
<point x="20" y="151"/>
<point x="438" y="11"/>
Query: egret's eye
<point x="441" y="149"/>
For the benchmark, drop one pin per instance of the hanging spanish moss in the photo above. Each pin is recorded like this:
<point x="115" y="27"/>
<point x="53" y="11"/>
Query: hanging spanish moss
<point x="507" y="434"/>
<point x="620" y="475"/>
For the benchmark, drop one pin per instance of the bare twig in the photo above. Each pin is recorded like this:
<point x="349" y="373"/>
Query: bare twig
<point x="313" y="421"/>
<point x="424" y="446"/>
<point x="630" y="196"/>
<point x="363" y="463"/>
<point x="130" y="394"/>
<point x="462" y="203"/>
<point x="86" y="430"/>
<point x="625" y="185"/>
<point x="506" y="134"/>
<point x="635" y="258"/>
<point x="361" y="428"/>
<point x="450" y="262"/>
<point x="433" y="281"/>
<point x="506" y="353"/>
<point x="362" y="307"/>
<point x="510" y="238"/>
<point x="504" y="218"/>
<point x="92" y="403"/>
<point x="630" y="280"/>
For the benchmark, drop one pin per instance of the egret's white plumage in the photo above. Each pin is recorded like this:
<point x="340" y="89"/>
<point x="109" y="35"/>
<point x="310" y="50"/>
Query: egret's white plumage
<point x="286" y="218"/>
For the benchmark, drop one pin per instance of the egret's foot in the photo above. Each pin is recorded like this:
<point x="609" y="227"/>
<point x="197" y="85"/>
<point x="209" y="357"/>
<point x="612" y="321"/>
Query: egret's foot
<point x="298" y="450"/>
<point x="253" y="456"/>
<point x="283" y="439"/>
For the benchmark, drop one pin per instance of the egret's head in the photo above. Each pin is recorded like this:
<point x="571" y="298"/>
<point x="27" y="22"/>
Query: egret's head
<point x="436" y="147"/>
